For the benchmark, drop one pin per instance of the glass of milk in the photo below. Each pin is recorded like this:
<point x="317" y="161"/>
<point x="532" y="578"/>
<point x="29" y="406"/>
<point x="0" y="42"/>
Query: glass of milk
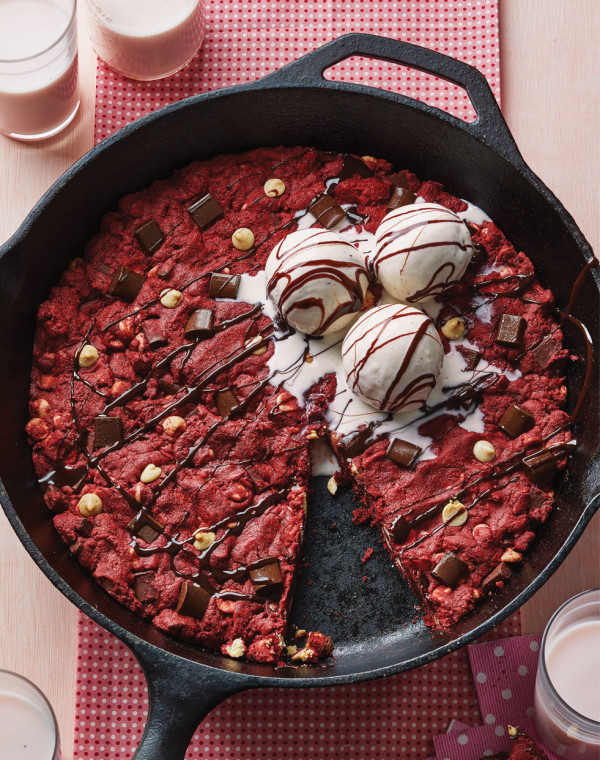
<point x="146" y="39"/>
<point x="38" y="67"/>
<point x="28" y="728"/>
<point x="567" y="687"/>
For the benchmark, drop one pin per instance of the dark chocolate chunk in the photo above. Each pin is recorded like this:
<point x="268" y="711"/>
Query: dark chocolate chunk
<point x="400" y="197"/>
<point x="142" y="586"/>
<point x="497" y="578"/>
<point x="223" y="285"/>
<point x="450" y="569"/>
<point x="266" y="576"/>
<point x="510" y="331"/>
<point x="150" y="236"/>
<point x="166" y="386"/>
<point x="399" y="180"/>
<point x="205" y="211"/>
<point x="544" y="352"/>
<point x="106" y="584"/>
<point x="126" y="284"/>
<point x="540" y="466"/>
<point x="85" y="527"/>
<point x="516" y="420"/>
<point x="193" y="600"/>
<point x="154" y="334"/>
<point x="403" y="453"/>
<point x="353" y="166"/>
<point x="199" y="324"/>
<point x="465" y="395"/>
<point x="107" y="431"/>
<point x="226" y="401"/>
<point x="471" y="357"/>
<point x="326" y="211"/>
<point x="400" y="529"/>
<point x="144" y="526"/>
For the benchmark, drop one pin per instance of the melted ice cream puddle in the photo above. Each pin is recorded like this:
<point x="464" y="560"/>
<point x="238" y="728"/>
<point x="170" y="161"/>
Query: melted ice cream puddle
<point x="347" y="413"/>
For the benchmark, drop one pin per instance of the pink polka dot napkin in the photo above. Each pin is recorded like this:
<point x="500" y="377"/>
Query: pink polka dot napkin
<point x="504" y="672"/>
<point x="246" y="40"/>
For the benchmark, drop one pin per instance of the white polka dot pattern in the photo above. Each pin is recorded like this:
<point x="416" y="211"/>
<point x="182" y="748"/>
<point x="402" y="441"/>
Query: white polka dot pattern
<point x="244" y="41"/>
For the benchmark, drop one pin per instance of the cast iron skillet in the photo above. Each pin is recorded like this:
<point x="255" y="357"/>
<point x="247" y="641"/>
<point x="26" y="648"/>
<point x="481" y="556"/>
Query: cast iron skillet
<point x="295" y="105"/>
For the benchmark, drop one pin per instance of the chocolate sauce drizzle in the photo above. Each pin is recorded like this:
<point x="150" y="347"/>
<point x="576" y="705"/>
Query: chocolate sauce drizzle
<point x="396" y="396"/>
<point x="444" y="276"/>
<point x="291" y="278"/>
<point x="206" y="574"/>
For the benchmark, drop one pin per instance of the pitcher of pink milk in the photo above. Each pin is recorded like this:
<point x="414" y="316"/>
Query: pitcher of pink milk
<point x="567" y="687"/>
<point x="146" y="39"/>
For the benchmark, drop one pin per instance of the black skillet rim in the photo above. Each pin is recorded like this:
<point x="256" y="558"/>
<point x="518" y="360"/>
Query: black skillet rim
<point x="503" y="144"/>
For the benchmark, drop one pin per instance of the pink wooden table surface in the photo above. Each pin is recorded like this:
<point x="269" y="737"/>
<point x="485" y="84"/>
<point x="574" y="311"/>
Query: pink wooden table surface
<point x="550" y="85"/>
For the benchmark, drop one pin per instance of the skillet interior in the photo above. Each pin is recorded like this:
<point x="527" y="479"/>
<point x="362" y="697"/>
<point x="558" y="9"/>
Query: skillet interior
<point x="342" y="119"/>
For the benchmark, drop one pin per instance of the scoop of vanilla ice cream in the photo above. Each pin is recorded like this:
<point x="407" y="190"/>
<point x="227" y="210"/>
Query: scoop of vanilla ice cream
<point x="316" y="280"/>
<point x="392" y="357"/>
<point x="420" y="251"/>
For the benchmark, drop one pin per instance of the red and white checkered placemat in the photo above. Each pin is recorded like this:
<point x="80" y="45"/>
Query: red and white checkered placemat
<point x="246" y="40"/>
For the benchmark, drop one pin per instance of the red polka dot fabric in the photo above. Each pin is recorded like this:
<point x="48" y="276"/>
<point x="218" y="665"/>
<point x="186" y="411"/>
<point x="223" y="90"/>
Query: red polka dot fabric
<point x="391" y="718"/>
<point x="247" y="39"/>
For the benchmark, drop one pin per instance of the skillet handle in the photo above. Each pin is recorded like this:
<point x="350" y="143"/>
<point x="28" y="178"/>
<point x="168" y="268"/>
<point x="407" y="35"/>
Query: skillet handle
<point x="181" y="695"/>
<point x="489" y="127"/>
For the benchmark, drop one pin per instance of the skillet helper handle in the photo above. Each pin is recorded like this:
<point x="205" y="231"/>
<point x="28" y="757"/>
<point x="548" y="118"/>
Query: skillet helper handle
<point x="181" y="694"/>
<point x="489" y="127"/>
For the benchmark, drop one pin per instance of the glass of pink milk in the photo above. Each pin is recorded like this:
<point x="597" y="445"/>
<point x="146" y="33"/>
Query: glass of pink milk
<point x="28" y="728"/>
<point x="38" y="67"/>
<point x="567" y="687"/>
<point x="146" y="39"/>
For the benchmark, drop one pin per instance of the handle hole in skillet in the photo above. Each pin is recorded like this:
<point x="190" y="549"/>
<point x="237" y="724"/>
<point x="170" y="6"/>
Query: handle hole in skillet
<point x="415" y="84"/>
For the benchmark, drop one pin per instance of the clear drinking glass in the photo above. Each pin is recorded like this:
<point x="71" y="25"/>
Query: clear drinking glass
<point x="38" y="67"/>
<point x="146" y="39"/>
<point x="28" y="727"/>
<point x="569" y="669"/>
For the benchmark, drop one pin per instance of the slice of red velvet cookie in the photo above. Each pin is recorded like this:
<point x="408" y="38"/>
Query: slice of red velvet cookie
<point x="459" y="524"/>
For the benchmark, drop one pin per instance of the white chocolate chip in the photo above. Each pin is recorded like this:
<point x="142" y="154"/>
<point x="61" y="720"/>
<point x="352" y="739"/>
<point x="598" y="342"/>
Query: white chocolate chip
<point x="174" y="426"/>
<point x="332" y="485"/>
<point x="510" y="555"/>
<point x="37" y="429"/>
<point x="455" y="513"/>
<point x="88" y="356"/>
<point x="243" y="239"/>
<point x="304" y="654"/>
<point x="42" y="407"/>
<point x="257" y="341"/>
<point x="170" y="299"/>
<point x="274" y="187"/>
<point x="236" y="649"/>
<point x="291" y="649"/>
<point x="150" y="474"/>
<point x="313" y="435"/>
<point x="483" y="451"/>
<point x="203" y="539"/>
<point x="90" y="504"/>
<point x="454" y="328"/>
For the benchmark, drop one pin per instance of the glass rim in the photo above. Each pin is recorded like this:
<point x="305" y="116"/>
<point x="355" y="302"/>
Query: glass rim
<point x="32" y="58"/>
<point x="47" y="703"/>
<point x="542" y="663"/>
